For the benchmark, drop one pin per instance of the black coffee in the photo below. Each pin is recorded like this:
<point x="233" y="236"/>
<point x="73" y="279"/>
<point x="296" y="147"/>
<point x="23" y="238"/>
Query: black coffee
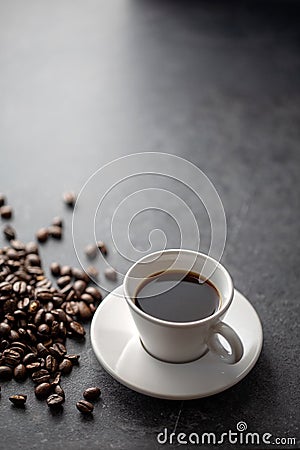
<point x="174" y="297"/>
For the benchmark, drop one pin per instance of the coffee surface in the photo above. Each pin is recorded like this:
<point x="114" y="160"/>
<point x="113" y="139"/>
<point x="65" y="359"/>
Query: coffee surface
<point x="177" y="297"/>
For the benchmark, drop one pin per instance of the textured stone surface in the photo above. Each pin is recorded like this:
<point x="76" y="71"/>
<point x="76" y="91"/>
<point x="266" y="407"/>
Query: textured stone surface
<point x="82" y="83"/>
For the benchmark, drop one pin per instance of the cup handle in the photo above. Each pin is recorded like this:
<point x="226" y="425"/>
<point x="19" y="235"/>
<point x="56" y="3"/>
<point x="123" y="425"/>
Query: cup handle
<point x="231" y="337"/>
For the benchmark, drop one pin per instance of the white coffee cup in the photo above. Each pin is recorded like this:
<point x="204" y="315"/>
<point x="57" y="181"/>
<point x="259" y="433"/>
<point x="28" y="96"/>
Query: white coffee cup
<point x="180" y="342"/>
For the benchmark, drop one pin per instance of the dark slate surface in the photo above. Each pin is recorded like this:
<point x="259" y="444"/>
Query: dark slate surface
<point x="82" y="83"/>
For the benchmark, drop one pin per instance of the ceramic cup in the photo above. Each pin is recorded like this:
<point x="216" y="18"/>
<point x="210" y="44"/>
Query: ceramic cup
<point x="180" y="342"/>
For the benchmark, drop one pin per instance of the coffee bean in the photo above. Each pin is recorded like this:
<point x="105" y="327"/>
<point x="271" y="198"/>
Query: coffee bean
<point x="87" y="298"/>
<point x="44" y="329"/>
<point x="91" y="251"/>
<point x="18" y="400"/>
<point x="20" y="372"/>
<point x="92" y="272"/>
<point x="2" y="199"/>
<point x="55" y="269"/>
<point x="55" y="232"/>
<point x="65" y="366"/>
<point x="33" y="259"/>
<point x="42" y="350"/>
<point x="59" y="391"/>
<point x="20" y="287"/>
<point x="43" y="390"/>
<point x="56" y="379"/>
<point x="63" y="281"/>
<point x="69" y="198"/>
<point x="44" y="295"/>
<point x="29" y="358"/>
<point x="110" y="274"/>
<point x="77" y="329"/>
<point x="41" y="376"/>
<point x="79" y="287"/>
<point x="9" y="232"/>
<point x="49" y="318"/>
<point x="58" y="351"/>
<point x="12" y="358"/>
<point x="84" y="311"/>
<point x="57" y="221"/>
<point x="80" y="274"/>
<point x="31" y="247"/>
<point x="23" y="304"/>
<point x="102" y="247"/>
<point x="4" y="329"/>
<point x="92" y="393"/>
<point x="5" y="288"/>
<point x="42" y="235"/>
<point x="6" y="212"/>
<point x="51" y="364"/>
<point x="66" y="271"/>
<point x="55" y="401"/>
<point x="33" y="367"/>
<point x="73" y="358"/>
<point x="5" y="373"/>
<point x="34" y="306"/>
<point x="85" y="407"/>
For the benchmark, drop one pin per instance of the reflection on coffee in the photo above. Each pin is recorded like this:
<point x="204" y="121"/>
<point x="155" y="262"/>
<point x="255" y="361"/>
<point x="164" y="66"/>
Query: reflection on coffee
<point x="177" y="297"/>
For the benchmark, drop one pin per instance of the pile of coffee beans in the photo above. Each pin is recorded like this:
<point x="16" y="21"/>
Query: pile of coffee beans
<point x="37" y="317"/>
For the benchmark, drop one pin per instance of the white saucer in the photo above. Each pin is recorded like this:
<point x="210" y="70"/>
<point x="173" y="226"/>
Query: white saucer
<point x="118" y="348"/>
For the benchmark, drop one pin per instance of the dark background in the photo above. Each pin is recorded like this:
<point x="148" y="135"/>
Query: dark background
<point x="218" y="83"/>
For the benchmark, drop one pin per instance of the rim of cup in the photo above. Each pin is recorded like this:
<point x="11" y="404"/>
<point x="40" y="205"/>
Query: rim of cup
<point x="219" y="312"/>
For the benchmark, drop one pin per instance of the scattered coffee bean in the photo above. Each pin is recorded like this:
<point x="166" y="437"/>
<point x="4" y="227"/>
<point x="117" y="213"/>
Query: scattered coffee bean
<point x="69" y="198"/>
<point x="55" y="232"/>
<point x="18" y="400"/>
<point x="110" y="274"/>
<point x="92" y="393"/>
<point x="9" y="232"/>
<point x="92" y="272"/>
<point x="55" y="269"/>
<point x="85" y="407"/>
<point x="77" y="329"/>
<point x="43" y="390"/>
<point x="42" y="235"/>
<point x="57" y="221"/>
<point x="80" y="275"/>
<point x="55" y="401"/>
<point x="73" y="358"/>
<point x="6" y="212"/>
<point x="102" y="247"/>
<point x="91" y="251"/>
